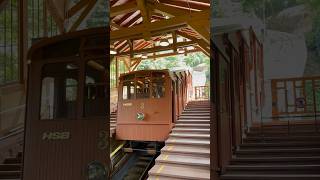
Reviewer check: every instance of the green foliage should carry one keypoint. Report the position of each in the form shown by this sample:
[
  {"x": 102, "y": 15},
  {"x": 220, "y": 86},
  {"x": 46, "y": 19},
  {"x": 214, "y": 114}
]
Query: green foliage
[{"x": 192, "y": 60}]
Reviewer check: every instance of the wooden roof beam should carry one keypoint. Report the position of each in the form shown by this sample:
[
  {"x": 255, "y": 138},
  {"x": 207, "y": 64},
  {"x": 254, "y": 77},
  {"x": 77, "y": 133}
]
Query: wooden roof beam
[
  {"x": 167, "y": 10},
  {"x": 187, "y": 5},
  {"x": 172, "y": 54},
  {"x": 146, "y": 18},
  {"x": 160, "y": 48},
  {"x": 88, "y": 7},
  {"x": 205, "y": 47},
  {"x": 202, "y": 27},
  {"x": 160, "y": 27},
  {"x": 123, "y": 9}
]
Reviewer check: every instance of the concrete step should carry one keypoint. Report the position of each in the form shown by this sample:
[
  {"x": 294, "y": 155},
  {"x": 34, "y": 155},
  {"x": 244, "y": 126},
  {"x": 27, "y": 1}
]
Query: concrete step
[
  {"x": 270, "y": 177},
  {"x": 192, "y": 121},
  {"x": 179, "y": 172},
  {"x": 193, "y": 125},
  {"x": 276, "y": 160},
  {"x": 12, "y": 161},
  {"x": 274, "y": 169},
  {"x": 193, "y": 117},
  {"x": 179, "y": 159},
  {"x": 282, "y": 139},
  {"x": 194, "y": 114},
  {"x": 187, "y": 150},
  {"x": 191, "y": 130},
  {"x": 278, "y": 152},
  {"x": 187, "y": 141},
  {"x": 10, "y": 167},
  {"x": 191, "y": 136},
  {"x": 10, "y": 174},
  {"x": 282, "y": 145}
]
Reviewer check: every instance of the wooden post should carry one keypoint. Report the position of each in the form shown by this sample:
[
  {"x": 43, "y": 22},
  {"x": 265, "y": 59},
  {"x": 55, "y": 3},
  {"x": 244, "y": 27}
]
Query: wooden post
[
  {"x": 117, "y": 71},
  {"x": 274, "y": 99},
  {"x": 22, "y": 40}
]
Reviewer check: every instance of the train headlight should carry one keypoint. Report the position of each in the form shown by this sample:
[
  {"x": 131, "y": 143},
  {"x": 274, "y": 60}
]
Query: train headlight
[
  {"x": 96, "y": 171},
  {"x": 140, "y": 116}
]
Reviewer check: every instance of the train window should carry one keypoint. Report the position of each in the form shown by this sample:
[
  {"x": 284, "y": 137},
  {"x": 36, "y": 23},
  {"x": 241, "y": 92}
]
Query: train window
[
  {"x": 71, "y": 89},
  {"x": 158, "y": 75},
  {"x": 129, "y": 77},
  {"x": 128, "y": 90},
  {"x": 158, "y": 88},
  {"x": 59, "y": 91},
  {"x": 95, "y": 89},
  {"x": 143, "y": 87}
]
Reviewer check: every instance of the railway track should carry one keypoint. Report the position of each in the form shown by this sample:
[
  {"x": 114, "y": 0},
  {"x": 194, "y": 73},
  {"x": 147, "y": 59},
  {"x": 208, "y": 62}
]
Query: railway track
[
  {"x": 186, "y": 154},
  {"x": 136, "y": 161}
]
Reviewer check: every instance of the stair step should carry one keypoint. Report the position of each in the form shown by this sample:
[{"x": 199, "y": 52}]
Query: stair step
[
  {"x": 274, "y": 169},
  {"x": 278, "y": 160},
  {"x": 192, "y": 121},
  {"x": 283, "y": 145},
  {"x": 187, "y": 141},
  {"x": 270, "y": 177},
  {"x": 163, "y": 178},
  {"x": 193, "y": 117},
  {"x": 282, "y": 133},
  {"x": 188, "y": 135},
  {"x": 279, "y": 152},
  {"x": 283, "y": 138},
  {"x": 184, "y": 113},
  {"x": 183, "y": 160},
  {"x": 192, "y": 130},
  {"x": 12, "y": 161},
  {"x": 193, "y": 125},
  {"x": 10, "y": 174},
  {"x": 179, "y": 172},
  {"x": 184, "y": 149},
  {"x": 10, "y": 167}
]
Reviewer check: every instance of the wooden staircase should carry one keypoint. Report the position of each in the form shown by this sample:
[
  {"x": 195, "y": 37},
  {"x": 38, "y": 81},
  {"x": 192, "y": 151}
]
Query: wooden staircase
[
  {"x": 277, "y": 153},
  {"x": 186, "y": 154},
  {"x": 11, "y": 168}
]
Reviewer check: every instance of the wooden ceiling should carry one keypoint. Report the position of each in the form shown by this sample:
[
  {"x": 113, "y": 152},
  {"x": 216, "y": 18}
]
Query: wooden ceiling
[{"x": 137, "y": 26}]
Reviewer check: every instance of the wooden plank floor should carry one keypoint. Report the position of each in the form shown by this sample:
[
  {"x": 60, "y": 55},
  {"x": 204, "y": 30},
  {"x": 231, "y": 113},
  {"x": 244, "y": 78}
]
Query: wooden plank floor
[{"x": 186, "y": 154}]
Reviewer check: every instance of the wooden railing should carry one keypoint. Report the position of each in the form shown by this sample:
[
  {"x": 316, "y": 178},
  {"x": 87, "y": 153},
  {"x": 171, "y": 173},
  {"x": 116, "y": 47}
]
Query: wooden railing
[{"x": 201, "y": 92}]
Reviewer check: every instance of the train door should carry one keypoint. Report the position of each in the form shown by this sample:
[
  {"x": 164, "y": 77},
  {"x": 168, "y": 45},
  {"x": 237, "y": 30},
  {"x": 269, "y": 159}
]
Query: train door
[{"x": 67, "y": 132}]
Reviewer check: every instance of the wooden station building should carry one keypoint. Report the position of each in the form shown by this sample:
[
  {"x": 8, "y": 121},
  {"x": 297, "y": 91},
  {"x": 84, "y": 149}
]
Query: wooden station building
[{"x": 60, "y": 85}]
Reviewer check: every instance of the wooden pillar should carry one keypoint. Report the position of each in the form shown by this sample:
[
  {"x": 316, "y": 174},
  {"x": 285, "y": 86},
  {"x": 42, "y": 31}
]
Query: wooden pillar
[
  {"x": 117, "y": 71},
  {"x": 274, "y": 99},
  {"x": 22, "y": 39}
]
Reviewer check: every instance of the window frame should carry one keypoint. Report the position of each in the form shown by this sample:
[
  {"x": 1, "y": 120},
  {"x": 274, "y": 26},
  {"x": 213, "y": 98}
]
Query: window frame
[
  {"x": 134, "y": 79},
  {"x": 83, "y": 90},
  {"x": 79, "y": 85}
]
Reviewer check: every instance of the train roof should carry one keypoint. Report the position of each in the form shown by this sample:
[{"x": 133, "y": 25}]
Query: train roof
[
  {"x": 174, "y": 74},
  {"x": 75, "y": 39}
]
